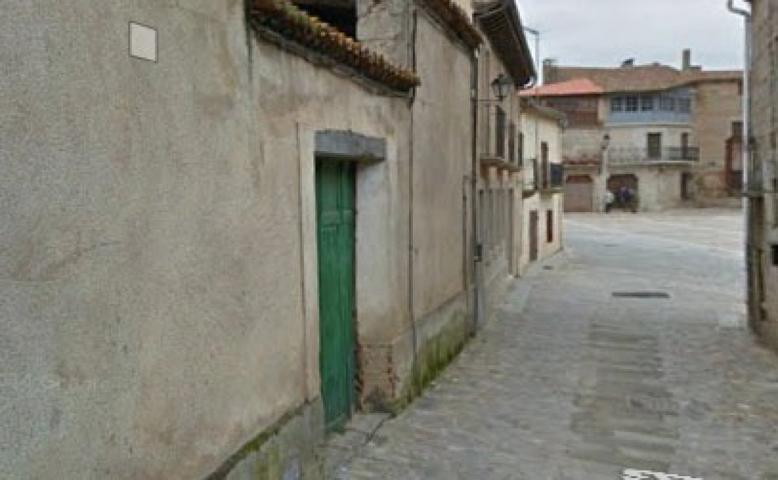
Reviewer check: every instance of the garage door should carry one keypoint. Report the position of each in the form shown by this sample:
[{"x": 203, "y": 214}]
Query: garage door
[{"x": 579, "y": 194}]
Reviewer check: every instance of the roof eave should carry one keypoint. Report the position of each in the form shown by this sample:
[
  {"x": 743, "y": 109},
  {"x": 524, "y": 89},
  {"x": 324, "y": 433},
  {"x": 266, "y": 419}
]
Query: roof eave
[{"x": 501, "y": 23}]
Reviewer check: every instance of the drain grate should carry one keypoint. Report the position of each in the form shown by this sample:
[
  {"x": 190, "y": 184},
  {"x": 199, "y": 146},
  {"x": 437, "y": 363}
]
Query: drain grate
[
  {"x": 643, "y": 294},
  {"x": 646, "y": 475}
]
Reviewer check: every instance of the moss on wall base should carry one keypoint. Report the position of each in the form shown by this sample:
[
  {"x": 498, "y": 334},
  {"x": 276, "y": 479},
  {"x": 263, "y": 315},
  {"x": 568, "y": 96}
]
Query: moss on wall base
[
  {"x": 284, "y": 451},
  {"x": 435, "y": 353}
]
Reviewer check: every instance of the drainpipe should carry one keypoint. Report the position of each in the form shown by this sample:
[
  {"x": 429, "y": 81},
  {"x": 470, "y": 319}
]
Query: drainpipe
[
  {"x": 415, "y": 373},
  {"x": 746, "y": 143},
  {"x": 746, "y": 146},
  {"x": 475, "y": 240}
]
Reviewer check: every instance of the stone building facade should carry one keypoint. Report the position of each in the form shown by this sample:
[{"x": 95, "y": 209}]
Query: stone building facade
[
  {"x": 667, "y": 133},
  {"x": 227, "y": 226},
  {"x": 762, "y": 255}
]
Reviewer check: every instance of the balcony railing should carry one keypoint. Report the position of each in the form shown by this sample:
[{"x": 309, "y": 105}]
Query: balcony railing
[{"x": 617, "y": 155}]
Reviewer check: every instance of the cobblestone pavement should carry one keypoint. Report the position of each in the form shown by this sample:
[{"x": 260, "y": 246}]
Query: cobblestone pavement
[{"x": 570, "y": 382}]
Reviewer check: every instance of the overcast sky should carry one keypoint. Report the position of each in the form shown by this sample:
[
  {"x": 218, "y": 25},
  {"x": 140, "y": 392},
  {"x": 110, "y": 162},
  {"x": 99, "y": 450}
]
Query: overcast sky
[{"x": 605, "y": 32}]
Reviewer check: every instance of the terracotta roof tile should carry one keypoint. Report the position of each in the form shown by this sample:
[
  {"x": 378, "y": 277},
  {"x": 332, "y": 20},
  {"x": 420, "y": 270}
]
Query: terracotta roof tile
[
  {"x": 578, "y": 86},
  {"x": 640, "y": 78},
  {"x": 292, "y": 23},
  {"x": 456, "y": 19}
]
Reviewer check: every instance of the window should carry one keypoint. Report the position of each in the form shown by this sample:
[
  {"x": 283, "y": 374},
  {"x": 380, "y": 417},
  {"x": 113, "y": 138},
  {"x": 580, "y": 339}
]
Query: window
[
  {"x": 344, "y": 18},
  {"x": 737, "y": 129},
  {"x": 479, "y": 253},
  {"x": 501, "y": 124},
  {"x": 685, "y": 105},
  {"x": 631, "y": 104},
  {"x": 512, "y": 143},
  {"x": 646, "y": 103},
  {"x": 775, "y": 202},
  {"x": 617, "y": 104},
  {"x": 549, "y": 226},
  {"x": 521, "y": 149},
  {"x": 667, "y": 104},
  {"x": 654, "y": 141},
  {"x": 544, "y": 163},
  {"x": 774, "y": 251},
  {"x": 684, "y": 146}
]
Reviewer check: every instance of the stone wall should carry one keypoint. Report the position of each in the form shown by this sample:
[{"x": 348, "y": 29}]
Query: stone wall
[
  {"x": 717, "y": 106},
  {"x": 659, "y": 187}
]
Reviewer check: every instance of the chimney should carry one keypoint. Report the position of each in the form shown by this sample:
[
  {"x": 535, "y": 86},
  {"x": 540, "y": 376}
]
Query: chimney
[
  {"x": 549, "y": 70},
  {"x": 687, "y": 60}
]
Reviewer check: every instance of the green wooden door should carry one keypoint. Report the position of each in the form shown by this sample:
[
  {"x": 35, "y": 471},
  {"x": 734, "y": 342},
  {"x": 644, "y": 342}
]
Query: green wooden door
[{"x": 335, "y": 236}]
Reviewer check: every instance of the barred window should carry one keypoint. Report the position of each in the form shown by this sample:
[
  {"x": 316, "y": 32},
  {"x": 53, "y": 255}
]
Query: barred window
[
  {"x": 631, "y": 103},
  {"x": 666, "y": 103},
  {"x": 617, "y": 104},
  {"x": 646, "y": 103},
  {"x": 685, "y": 105}
]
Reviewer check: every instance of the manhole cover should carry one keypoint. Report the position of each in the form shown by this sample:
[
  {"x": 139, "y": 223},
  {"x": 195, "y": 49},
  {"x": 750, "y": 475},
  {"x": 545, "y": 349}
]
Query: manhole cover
[
  {"x": 641, "y": 294},
  {"x": 646, "y": 475},
  {"x": 661, "y": 405}
]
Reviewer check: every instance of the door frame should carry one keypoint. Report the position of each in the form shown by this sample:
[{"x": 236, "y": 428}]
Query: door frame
[
  {"x": 534, "y": 232},
  {"x": 312, "y": 142}
]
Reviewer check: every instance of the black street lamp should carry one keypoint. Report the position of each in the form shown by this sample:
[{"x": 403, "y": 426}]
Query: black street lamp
[{"x": 502, "y": 86}]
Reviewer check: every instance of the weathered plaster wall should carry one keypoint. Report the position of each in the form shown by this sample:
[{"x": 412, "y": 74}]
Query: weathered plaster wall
[
  {"x": 717, "y": 106},
  {"x": 442, "y": 105},
  {"x": 156, "y": 309},
  {"x": 440, "y": 165},
  {"x": 765, "y": 132},
  {"x": 582, "y": 144}
]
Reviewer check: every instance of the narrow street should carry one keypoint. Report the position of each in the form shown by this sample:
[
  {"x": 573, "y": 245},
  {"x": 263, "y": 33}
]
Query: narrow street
[{"x": 588, "y": 369}]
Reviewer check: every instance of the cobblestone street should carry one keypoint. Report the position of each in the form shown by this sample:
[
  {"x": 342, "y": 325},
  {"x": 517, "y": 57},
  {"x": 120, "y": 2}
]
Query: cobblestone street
[{"x": 628, "y": 351}]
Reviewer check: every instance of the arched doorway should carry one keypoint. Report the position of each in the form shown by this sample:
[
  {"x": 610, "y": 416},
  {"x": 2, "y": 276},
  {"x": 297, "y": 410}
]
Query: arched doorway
[{"x": 618, "y": 183}]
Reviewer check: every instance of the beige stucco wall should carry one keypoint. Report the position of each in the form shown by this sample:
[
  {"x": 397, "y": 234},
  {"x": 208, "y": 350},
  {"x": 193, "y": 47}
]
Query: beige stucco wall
[
  {"x": 542, "y": 203},
  {"x": 539, "y": 128},
  {"x": 157, "y": 308}
]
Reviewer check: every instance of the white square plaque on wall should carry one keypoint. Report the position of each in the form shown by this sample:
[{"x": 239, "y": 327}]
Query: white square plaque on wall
[{"x": 143, "y": 42}]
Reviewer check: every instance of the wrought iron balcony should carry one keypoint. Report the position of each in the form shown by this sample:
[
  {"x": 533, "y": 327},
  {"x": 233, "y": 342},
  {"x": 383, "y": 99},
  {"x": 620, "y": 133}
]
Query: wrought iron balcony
[{"x": 638, "y": 155}]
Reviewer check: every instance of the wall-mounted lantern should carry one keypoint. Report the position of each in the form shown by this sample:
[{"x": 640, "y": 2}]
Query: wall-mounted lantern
[
  {"x": 606, "y": 142},
  {"x": 502, "y": 86}
]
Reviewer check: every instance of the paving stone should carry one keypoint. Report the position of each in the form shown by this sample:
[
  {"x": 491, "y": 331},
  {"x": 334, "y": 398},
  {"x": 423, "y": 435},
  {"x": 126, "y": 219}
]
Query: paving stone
[{"x": 569, "y": 383}]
